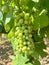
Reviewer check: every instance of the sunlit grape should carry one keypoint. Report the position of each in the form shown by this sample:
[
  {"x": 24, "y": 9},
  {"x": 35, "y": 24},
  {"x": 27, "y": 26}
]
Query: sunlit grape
[
  {"x": 20, "y": 34},
  {"x": 28, "y": 48},
  {"x": 28, "y": 43},
  {"x": 23, "y": 34},
  {"x": 30, "y": 35},
  {"x": 24, "y": 48},
  {"x": 26, "y": 16},
  {"x": 24, "y": 43},
  {"x": 21, "y": 45},
  {"x": 19, "y": 50}
]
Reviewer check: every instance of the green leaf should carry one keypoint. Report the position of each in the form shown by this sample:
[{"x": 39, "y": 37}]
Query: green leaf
[
  {"x": 37, "y": 38},
  {"x": 1, "y": 27},
  {"x": 7, "y": 27},
  {"x": 1, "y": 16},
  {"x": 40, "y": 22},
  {"x": 0, "y": 1},
  {"x": 8, "y": 18},
  {"x": 28, "y": 64},
  {"x": 11, "y": 33},
  {"x": 39, "y": 46},
  {"x": 13, "y": 42},
  {"x": 39, "y": 42},
  {"x": 44, "y": 4},
  {"x": 39, "y": 49},
  {"x": 21, "y": 60},
  {"x": 42, "y": 53},
  {"x": 36, "y": 62},
  {"x": 8, "y": 21},
  {"x": 45, "y": 31},
  {"x": 35, "y": 54}
]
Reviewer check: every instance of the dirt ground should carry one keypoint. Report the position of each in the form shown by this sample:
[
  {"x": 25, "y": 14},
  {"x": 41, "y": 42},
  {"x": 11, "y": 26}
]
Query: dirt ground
[
  {"x": 45, "y": 60},
  {"x": 5, "y": 52}
]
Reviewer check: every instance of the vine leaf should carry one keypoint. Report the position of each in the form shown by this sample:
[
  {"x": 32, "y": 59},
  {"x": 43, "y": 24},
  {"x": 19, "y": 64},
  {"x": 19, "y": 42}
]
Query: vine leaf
[
  {"x": 13, "y": 42},
  {"x": 41, "y": 22},
  {"x": 36, "y": 62},
  {"x": 8, "y": 21},
  {"x": 8, "y": 18},
  {"x": 21, "y": 60},
  {"x": 1, "y": 16},
  {"x": 45, "y": 31},
  {"x": 39, "y": 49},
  {"x": 11, "y": 33}
]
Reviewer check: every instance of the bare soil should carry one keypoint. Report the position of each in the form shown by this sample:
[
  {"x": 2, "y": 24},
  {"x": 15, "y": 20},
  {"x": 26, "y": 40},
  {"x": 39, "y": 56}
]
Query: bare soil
[{"x": 5, "y": 51}]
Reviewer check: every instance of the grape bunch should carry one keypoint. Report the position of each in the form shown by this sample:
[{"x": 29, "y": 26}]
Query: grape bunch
[{"x": 24, "y": 41}]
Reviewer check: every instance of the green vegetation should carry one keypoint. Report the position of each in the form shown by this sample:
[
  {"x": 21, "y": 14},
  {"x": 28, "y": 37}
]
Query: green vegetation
[{"x": 26, "y": 23}]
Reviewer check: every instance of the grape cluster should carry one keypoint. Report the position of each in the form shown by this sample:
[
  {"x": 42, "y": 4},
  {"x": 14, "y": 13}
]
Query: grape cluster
[{"x": 24, "y": 41}]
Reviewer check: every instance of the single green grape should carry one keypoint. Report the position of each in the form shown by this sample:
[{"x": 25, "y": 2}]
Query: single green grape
[
  {"x": 20, "y": 34},
  {"x": 28, "y": 48},
  {"x": 26, "y": 16},
  {"x": 24, "y": 43},
  {"x": 19, "y": 50},
  {"x": 28, "y": 43},
  {"x": 24, "y": 48},
  {"x": 20, "y": 45}
]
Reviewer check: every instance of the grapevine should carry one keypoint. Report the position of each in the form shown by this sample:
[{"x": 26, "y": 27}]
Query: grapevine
[{"x": 25, "y": 23}]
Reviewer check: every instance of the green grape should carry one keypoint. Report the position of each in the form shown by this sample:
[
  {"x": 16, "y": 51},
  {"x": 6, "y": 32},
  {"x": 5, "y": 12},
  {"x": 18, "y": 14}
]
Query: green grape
[
  {"x": 21, "y": 45},
  {"x": 19, "y": 50},
  {"x": 25, "y": 31},
  {"x": 28, "y": 48},
  {"x": 24, "y": 43},
  {"x": 24, "y": 48},
  {"x": 28, "y": 43},
  {"x": 30, "y": 52},
  {"x": 20, "y": 41},
  {"x": 22, "y": 14},
  {"x": 16, "y": 33},
  {"x": 26, "y": 52},
  {"x": 26, "y": 37},
  {"x": 23, "y": 27},
  {"x": 26, "y": 16},
  {"x": 20, "y": 21},
  {"x": 26, "y": 22},
  {"x": 17, "y": 43},
  {"x": 23, "y": 34},
  {"x": 20, "y": 34},
  {"x": 17, "y": 28},
  {"x": 30, "y": 36}
]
